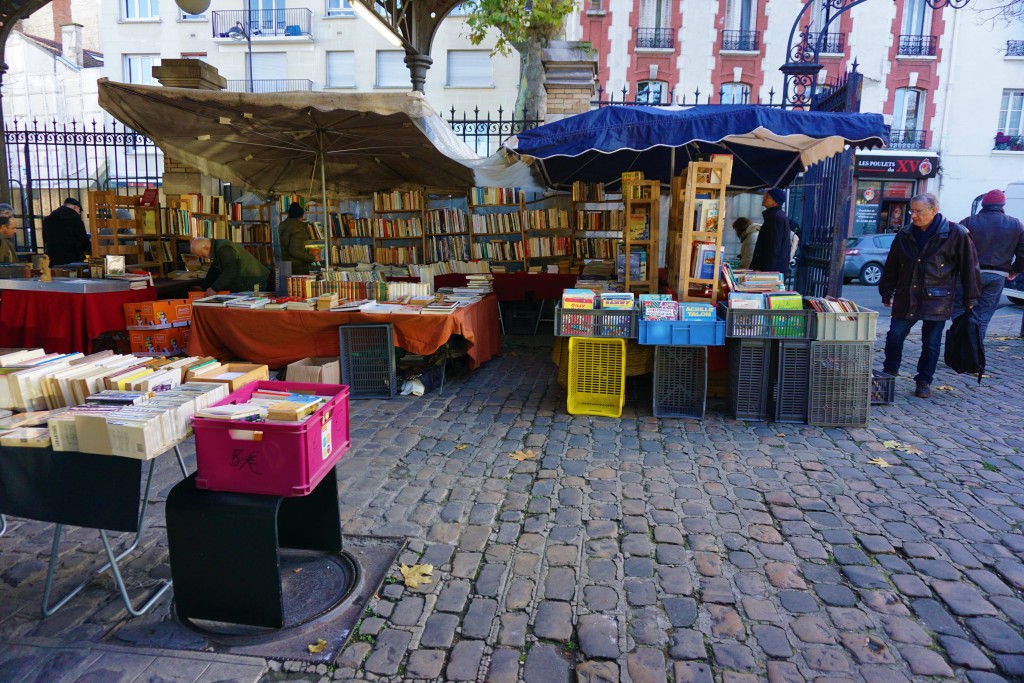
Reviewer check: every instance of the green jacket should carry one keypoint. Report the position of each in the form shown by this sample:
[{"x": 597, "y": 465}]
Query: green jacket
[
  {"x": 234, "y": 269},
  {"x": 293, "y": 233},
  {"x": 7, "y": 252}
]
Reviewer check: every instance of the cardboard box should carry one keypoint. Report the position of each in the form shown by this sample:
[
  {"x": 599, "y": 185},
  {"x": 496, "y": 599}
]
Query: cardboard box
[
  {"x": 142, "y": 341},
  {"x": 172, "y": 340},
  {"x": 323, "y": 370},
  {"x": 148, "y": 314},
  {"x": 235, "y": 375},
  {"x": 181, "y": 311}
]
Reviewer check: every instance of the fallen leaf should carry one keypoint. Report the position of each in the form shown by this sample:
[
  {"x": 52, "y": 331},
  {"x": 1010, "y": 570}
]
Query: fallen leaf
[
  {"x": 1002, "y": 338},
  {"x": 416, "y": 574},
  {"x": 524, "y": 455},
  {"x": 892, "y": 445},
  {"x": 906, "y": 448},
  {"x": 296, "y": 570},
  {"x": 317, "y": 647},
  {"x": 944, "y": 387},
  {"x": 462, "y": 447},
  {"x": 881, "y": 462}
]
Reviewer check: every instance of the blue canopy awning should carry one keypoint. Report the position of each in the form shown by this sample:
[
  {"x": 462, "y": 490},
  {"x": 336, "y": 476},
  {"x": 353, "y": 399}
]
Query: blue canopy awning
[{"x": 770, "y": 145}]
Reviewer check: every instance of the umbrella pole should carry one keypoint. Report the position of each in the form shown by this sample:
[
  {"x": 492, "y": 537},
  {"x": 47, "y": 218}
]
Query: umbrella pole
[{"x": 323, "y": 193}]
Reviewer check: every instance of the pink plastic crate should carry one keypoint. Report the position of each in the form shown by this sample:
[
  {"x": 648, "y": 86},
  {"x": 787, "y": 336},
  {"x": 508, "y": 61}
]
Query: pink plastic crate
[{"x": 273, "y": 458}]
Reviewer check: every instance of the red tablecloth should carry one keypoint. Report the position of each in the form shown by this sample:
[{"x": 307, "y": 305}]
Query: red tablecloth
[
  {"x": 60, "y": 322},
  {"x": 277, "y": 338},
  {"x": 514, "y": 286}
]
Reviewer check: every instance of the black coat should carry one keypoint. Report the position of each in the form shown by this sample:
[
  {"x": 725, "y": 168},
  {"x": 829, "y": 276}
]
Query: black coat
[
  {"x": 998, "y": 239},
  {"x": 921, "y": 283},
  {"x": 773, "y": 242},
  {"x": 64, "y": 237}
]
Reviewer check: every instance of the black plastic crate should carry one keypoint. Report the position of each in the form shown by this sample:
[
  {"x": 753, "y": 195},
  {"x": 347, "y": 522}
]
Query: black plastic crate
[
  {"x": 791, "y": 374},
  {"x": 883, "y": 388},
  {"x": 520, "y": 319},
  {"x": 749, "y": 366},
  {"x": 680, "y": 381},
  {"x": 368, "y": 360},
  {"x": 840, "y": 390}
]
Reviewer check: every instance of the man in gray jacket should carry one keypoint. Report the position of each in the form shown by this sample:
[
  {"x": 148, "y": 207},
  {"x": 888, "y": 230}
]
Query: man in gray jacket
[{"x": 999, "y": 241}]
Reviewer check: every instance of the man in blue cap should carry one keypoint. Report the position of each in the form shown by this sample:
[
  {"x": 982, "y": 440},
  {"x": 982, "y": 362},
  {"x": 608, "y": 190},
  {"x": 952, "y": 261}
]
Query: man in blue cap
[{"x": 774, "y": 244}]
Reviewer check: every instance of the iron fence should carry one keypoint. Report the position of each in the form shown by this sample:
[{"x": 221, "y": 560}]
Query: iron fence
[
  {"x": 831, "y": 44},
  {"x": 742, "y": 41},
  {"x": 908, "y": 138},
  {"x": 1015, "y": 48},
  {"x": 49, "y": 162},
  {"x": 696, "y": 98},
  {"x": 654, "y": 38},
  {"x": 485, "y": 135},
  {"x": 917, "y": 46},
  {"x": 264, "y": 23},
  {"x": 265, "y": 85}
]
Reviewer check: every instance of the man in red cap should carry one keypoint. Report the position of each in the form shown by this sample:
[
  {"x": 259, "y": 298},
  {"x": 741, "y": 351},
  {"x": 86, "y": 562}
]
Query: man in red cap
[{"x": 999, "y": 241}]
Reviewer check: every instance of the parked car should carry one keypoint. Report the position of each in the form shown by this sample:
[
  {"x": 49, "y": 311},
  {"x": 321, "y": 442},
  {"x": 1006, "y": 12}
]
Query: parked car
[{"x": 865, "y": 256}]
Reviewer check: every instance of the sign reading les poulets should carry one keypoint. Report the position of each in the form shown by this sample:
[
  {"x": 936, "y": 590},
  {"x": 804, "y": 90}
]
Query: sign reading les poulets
[{"x": 896, "y": 167}]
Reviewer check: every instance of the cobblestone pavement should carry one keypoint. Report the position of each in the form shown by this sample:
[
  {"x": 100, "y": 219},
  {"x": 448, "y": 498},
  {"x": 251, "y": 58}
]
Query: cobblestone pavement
[{"x": 631, "y": 549}]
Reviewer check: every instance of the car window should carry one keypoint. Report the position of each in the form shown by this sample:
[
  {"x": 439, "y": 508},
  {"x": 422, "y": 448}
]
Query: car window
[{"x": 884, "y": 241}]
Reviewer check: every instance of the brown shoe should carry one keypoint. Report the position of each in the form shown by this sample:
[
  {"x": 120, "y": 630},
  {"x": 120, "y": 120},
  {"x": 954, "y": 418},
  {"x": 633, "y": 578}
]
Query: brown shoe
[{"x": 923, "y": 390}]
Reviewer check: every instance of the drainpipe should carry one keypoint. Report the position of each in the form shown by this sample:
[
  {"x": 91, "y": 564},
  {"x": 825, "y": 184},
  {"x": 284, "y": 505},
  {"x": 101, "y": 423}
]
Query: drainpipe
[{"x": 954, "y": 42}]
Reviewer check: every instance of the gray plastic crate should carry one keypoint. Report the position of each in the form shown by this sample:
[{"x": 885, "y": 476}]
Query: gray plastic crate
[
  {"x": 749, "y": 365},
  {"x": 791, "y": 373},
  {"x": 883, "y": 388},
  {"x": 608, "y": 323},
  {"x": 757, "y": 323},
  {"x": 368, "y": 360},
  {"x": 848, "y": 326},
  {"x": 680, "y": 381},
  {"x": 840, "y": 389}
]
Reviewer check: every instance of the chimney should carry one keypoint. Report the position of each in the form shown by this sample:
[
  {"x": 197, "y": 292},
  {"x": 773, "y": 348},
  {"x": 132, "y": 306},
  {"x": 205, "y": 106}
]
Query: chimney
[{"x": 71, "y": 43}]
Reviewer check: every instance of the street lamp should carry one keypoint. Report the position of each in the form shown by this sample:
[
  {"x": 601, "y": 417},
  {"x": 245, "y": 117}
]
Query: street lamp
[{"x": 242, "y": 32}]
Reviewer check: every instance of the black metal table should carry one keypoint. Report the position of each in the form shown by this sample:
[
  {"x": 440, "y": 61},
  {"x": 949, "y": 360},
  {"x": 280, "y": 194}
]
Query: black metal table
[{"x": 224, "y": 548}]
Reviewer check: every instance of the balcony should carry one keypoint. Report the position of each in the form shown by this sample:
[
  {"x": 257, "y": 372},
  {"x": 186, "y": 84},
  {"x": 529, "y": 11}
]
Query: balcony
[
  {"x": 654, "y": 38},
  {"x": 741, "y": 41},
  {"x": 917, "y": 46},
  {"x": 1009, "y": 143},
  {"x": 265, "y": 85},
  {"x": 833, "y": 44},
  {"x": 1015, "y": 48},
  {"x": 265, "y": 23},
  {"x": 908, "y": 138}
]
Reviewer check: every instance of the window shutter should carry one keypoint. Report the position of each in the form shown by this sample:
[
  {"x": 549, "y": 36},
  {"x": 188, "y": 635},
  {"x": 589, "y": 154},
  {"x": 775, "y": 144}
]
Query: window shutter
[
  {"x": 341, "y": 69},
  {"x": 391, "y": 70},
  {"x": 268, "y": 66},
  {"x": 470, "y": 69}
]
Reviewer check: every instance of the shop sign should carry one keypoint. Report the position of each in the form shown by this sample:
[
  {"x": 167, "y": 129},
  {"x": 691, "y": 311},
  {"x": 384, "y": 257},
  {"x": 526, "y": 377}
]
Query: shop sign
[{"x": 907, "y": 167}]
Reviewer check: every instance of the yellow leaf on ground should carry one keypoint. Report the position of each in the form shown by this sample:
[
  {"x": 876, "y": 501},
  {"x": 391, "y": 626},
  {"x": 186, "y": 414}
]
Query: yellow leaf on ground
[
  {"x": 944, "y": 387},
  {"x": 317, "y": 647},
  {"x": 416, "y": 574},
  {"x": 881, "y": 462},
  {"x": 905, "y": 447},
  {"x": 892, "y": 445},
  {"x": 524, "y": 455},
  {"x": 462, "y": 447}
]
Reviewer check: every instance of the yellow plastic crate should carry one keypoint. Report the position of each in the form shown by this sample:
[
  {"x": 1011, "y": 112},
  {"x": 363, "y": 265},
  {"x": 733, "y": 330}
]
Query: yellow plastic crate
[{"x": 597, "y": 376}]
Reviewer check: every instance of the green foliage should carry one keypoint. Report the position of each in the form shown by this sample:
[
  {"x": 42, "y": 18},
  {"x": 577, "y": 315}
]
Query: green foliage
[{"x": 518, "y": 23}]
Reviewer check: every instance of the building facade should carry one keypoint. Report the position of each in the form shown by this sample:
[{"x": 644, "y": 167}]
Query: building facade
[{"x": 953, "y": 133}]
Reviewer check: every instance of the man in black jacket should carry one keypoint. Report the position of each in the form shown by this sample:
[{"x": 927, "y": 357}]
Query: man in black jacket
[
  {"x": 999, "y": 241},
  {"x": 774, "y": 244},
  {"x": 64, "y": 236},
  {"x": 926, "y": 261}
]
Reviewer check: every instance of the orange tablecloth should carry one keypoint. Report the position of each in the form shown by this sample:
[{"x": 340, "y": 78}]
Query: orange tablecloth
[{"x": 277, "y": 338}]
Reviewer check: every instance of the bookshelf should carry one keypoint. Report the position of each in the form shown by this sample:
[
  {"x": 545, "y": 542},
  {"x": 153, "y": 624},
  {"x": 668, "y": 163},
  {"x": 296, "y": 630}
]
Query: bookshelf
[
  {"x": 348, "y": 224},
  {"x": 398, "y": 227},
  {"x": 598, "y": 220},
  {"x": 495, "y": 220},
  {"x": 547, "y": 233},
  {"x": 192, "y": 215},
  {"x": 695, "y": 231},
  {"x": 447, "y": 229},
  {"x": 252, "y": 227},
  {"x": 121, "y": 225},
  {"x": 637, "y": 264}
]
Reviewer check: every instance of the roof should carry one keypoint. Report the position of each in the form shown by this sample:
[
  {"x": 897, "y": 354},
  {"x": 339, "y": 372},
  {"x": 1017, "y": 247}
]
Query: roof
[{"x": 90, "y": 58}]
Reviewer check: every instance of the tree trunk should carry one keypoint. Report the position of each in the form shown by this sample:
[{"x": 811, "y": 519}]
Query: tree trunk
[{"x": 531, "y": 102}]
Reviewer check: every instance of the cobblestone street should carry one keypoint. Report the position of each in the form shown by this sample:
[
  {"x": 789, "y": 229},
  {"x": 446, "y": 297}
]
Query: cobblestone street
[{"x": 635, "y": 549}]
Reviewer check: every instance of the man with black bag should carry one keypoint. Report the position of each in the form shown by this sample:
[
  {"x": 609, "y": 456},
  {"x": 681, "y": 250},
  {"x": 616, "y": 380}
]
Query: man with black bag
[{"x": 925, "y": 262}]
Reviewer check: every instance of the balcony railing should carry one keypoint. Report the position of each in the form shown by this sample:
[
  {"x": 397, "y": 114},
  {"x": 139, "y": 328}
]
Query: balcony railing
[
  {"x": 908, "y": 138},
  {"x": 265, "y": 23},
  {"x": 833, "y": 44},
  {"x": 1015, "y": 48},
  {"x": 654, "y": 38},
  {"x": 917, "y": 46},
  {"x": 1009, "y": 143},
  {"x": 265, "y": 85},
  {"x": 744, "y": 41}
]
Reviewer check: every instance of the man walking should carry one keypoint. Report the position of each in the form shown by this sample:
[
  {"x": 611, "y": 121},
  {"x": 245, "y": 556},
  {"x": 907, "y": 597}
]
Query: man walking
[
  {"x": 925, "y": 262},
  {"x": 999, "y": 241}
]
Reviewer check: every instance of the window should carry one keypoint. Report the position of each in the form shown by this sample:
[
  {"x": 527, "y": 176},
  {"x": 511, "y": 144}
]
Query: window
[
  {"x": 651, "y": 92},
  {"x": 907, "y": 111},
  {"x": 391, "y": 70},
  {"x": 470, "y": 69},
  {"x": 185, "y": 16},
  {"x": 268, "y": 66},
  {"x": 917, "y": 18},
  {"x": 339, "y": 8},
  {"x": 735, "y": 93},
  {"x": 266, "y": 16},
  {"x": 138, "y": 69},
  {"x": 341, "y": 69},
  {"x": 194, "y": 55},
  {"x": 654, "y": 14},
  {"x": 1010, "y": 113},
  {"x": 141, "y": 9},
  {"x": 739, "y": 15}
]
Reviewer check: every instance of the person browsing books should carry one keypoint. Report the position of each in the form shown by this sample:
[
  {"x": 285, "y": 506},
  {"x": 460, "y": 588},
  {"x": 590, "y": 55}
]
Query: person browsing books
[
  {"x": 8, "y": 254},
  {"x": 747, "y": 232},
  {"x": 774, "y": 244},
  {"x": 292, "y": 234},
  {"x": 232, "y": 268},
  {"x": 64, "y": 236}
]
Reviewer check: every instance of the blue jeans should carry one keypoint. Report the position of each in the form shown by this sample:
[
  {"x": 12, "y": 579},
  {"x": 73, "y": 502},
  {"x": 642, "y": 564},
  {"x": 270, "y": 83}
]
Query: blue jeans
[
  {"x": 931, "y": 339},
  {"x": 992, "y": 285}
]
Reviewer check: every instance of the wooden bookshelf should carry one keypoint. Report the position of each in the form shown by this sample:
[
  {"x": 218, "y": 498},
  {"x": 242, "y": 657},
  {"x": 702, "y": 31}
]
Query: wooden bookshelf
[
  {"x": 547, "y": 232},
  {"x": 121, "y": 226},
  {"x": 597, "y": 221},
  {"x": 496, "y": 226},
  {"x": 398, "y": 236},
  {"x": 638, "y": 261},
  {"x": 695, "y": 230}
]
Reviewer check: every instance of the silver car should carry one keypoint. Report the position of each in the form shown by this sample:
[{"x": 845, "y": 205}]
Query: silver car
[{"x": 865, "y": 256}]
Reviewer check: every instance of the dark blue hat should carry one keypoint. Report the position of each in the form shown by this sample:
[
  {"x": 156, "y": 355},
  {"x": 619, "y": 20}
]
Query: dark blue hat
[{"x": 777, "y": 194}]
